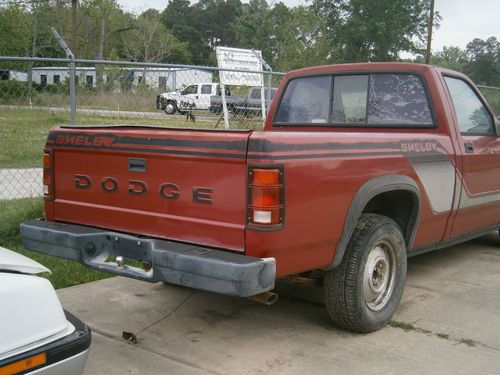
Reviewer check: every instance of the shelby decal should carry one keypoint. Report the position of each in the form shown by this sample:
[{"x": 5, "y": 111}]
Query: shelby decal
[
  {"x": 83, "y": 140},
  {"x": 167, "y": 190},
  {"x": 419, "y": 146}
]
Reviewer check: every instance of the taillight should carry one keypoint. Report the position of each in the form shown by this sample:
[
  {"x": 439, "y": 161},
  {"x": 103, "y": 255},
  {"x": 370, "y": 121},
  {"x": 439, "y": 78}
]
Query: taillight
[
  {"x": 265, "y": 196},
  {"x": 48, "y": 184}
]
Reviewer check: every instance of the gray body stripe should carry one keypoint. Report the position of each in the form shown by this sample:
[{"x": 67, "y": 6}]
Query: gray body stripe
[
  {"x": 469, "y": 200},
  {"x": 438, "y": 179}
]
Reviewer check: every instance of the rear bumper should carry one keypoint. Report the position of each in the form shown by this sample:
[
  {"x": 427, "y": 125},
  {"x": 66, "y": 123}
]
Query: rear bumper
[
  {"x": 67, "y": 355},
  {"x": 172, "y": 262}
]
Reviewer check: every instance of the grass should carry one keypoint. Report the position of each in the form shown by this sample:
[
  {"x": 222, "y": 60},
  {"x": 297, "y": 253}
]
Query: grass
[
  {"x": 64, "y": 272},
  {"x": 408, "y": 327},
  {"x": 22, "y": 136}
]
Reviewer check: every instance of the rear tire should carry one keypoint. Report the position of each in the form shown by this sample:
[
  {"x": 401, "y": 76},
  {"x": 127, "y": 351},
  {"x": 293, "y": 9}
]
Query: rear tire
[{"x": 364, "y": 291}]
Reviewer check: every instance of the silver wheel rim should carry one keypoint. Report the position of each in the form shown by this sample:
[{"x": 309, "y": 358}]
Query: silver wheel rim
[
  {"x": 379, "y": 276},
  {"x": 169, "y": 108}
]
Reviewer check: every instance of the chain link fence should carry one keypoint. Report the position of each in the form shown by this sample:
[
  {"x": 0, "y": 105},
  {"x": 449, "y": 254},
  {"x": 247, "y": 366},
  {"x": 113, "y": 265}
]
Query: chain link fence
[{"x": 35, "y": 94}]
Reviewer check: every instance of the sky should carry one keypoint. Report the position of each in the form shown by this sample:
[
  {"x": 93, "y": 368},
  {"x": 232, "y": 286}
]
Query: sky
[{"x": 462, "y": 20}]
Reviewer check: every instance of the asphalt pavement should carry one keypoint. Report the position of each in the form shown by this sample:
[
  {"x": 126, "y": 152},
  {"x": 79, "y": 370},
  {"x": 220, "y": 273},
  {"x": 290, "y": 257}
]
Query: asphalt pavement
[{"x": 448, "y": 323}]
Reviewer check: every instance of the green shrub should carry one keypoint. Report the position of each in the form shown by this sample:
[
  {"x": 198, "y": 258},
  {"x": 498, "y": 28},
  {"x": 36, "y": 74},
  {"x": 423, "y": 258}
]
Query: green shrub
[{"x": 13, "y": 90}]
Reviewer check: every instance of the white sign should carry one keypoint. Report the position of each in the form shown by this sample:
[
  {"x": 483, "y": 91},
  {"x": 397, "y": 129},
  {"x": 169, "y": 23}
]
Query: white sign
[{"x": 239, "y": 59}]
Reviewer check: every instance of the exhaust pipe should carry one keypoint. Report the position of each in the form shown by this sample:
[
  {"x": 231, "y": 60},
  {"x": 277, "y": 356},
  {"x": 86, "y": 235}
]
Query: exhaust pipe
[{"x": 266, "y": 298}]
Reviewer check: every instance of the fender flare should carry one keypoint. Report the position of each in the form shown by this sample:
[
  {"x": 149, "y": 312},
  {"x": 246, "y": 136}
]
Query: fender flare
[{"x": 367, "y": 192}]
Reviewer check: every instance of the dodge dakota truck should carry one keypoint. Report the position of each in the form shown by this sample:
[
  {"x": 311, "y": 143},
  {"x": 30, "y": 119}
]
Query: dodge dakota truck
[{"x": 359, "y": 166}]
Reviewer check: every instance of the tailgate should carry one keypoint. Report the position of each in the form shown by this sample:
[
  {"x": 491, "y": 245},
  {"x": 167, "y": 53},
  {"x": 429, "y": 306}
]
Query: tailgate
[{"x": 185, "y": 185}]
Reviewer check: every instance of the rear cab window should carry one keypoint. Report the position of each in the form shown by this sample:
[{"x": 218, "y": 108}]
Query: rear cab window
[{"x": 372, "y": 100}]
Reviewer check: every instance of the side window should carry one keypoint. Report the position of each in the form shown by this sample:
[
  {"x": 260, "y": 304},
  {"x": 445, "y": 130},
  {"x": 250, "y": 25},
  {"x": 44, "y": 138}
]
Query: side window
[
  {"x": 306, "y": 101},
  {"x": 193, "y": 89},
  {"x": 471, "y": 114},
  {"x": 349, "y": 99},
  {"x": 206, "y": 89},
  {"x": 398, "y": 99}
]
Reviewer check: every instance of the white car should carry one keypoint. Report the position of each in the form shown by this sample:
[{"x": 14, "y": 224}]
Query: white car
[
  {"x": 196, "y": 96},
  {"x": 36, "y": 335}
]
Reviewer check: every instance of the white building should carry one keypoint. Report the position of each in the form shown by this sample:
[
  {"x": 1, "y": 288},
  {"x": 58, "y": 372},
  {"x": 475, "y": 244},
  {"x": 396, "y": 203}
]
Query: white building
[
  {"x": 15, "y": 75},
  {"x": 163, "y": 79}
]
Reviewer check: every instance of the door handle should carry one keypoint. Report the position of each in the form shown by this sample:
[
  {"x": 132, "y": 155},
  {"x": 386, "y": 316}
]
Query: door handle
[{"x": 469, "y": 148}]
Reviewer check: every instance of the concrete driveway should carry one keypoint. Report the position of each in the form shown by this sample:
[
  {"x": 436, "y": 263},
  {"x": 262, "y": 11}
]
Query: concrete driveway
[{"x": 448, "y": 323}]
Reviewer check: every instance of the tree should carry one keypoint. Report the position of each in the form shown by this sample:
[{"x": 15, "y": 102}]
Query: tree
[
  {"x": 180, "y": 19},
  {"x": 15, "y": 41},
  {"x": 297, "y": 38},
  {"x": 450, "y": 57},
  {"x": 484, "y": 61},
  {"x": 367, "y": 30},
  {"x": 254, "y": 27},
  {"x": 149, "y": 40},
  {"x": 216, "y": 21},
  {"x": 99, "y": 28}
]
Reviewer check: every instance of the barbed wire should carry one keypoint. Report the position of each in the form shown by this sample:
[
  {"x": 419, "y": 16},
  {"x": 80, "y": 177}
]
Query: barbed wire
[{"x": 31, "y": 2}]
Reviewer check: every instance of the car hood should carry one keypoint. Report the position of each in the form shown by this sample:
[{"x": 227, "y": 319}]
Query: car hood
[
  {"x": 11, "y": 261},
  {"x": 31, "y": 314},
  {"x": 170, "y": 93}
]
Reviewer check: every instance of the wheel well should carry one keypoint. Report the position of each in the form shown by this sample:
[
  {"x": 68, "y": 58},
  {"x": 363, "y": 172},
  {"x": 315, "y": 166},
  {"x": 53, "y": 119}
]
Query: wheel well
[
  {"x": 395, "y": 196},
  {"x": 400, "y": 205}
]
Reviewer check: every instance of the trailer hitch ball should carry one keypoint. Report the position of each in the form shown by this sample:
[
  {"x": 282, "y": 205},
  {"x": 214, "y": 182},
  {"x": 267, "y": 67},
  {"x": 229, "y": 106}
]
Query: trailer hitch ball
[{"x": 120, "y": 262}]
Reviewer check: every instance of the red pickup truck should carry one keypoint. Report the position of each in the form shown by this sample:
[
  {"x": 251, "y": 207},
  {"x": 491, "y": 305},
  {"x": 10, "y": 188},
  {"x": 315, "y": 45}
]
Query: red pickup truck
[{"x": 359, "y": 166}]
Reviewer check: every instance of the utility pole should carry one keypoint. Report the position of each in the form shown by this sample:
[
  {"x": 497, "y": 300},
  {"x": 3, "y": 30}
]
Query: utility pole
[
  {"x": 73, "y": 24},
  {"x": 429, "y": 34}
]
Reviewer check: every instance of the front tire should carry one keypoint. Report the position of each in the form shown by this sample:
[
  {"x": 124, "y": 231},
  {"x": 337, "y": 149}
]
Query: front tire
[
  {"x": 364, "y": 291},
  {"x": 170, "y": 108}
]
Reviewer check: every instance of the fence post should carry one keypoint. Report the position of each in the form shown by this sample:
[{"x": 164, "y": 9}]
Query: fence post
[
  {"x": 269, "y": 89},
  {"x": 224, "y": 106},
  {"x": 72, "y": 90},
  {"x": 72, "y": 75}
]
